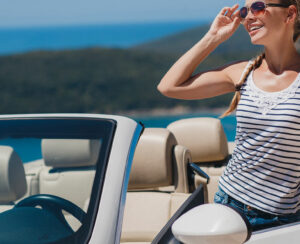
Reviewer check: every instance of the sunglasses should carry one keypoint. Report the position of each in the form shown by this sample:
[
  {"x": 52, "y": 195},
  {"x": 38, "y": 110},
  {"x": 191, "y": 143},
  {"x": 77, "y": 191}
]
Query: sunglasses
[{"x": 259, "y": 7}]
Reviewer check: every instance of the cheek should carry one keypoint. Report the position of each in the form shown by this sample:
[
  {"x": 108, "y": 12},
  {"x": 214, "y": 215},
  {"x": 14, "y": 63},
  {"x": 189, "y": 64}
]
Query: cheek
[{"x": 276, "y": 18}]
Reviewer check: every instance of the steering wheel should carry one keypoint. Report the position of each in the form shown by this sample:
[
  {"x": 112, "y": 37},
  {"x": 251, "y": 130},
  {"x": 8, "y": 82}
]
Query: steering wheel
[{"x": 54, "y": 205}]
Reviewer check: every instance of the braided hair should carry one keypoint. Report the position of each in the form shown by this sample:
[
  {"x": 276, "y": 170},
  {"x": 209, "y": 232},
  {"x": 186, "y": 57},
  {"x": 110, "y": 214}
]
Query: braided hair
[
  {"x": 237, "y": 96},
  {"x": 258, "y": 60}
]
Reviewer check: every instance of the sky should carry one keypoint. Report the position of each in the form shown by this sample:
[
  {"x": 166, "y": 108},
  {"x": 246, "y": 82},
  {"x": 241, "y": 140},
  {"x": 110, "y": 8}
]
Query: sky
[{"x": 26, "y": 13}]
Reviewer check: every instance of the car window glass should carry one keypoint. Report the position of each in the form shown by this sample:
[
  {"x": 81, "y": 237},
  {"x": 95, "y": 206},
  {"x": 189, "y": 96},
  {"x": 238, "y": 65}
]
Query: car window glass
[{"x": 46, "y": 180}]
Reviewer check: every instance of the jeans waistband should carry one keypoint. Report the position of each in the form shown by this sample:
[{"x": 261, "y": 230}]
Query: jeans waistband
[{"x": 245, "y": 207}]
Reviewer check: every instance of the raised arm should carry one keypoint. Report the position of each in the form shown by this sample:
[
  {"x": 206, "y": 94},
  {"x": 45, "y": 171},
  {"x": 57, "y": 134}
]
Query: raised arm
[{"x": 178, "y": 82}]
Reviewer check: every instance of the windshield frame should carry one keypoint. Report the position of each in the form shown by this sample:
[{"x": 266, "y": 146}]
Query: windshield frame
[{"x": 69, "y": 127}]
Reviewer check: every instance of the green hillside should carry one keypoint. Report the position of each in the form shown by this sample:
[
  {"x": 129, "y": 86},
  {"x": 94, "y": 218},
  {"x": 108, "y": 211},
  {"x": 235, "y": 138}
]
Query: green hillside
[
  {"x": 180, "y": 43},
  {"x": 101, "y": 80},
  {"x": 90, "y": 80}
]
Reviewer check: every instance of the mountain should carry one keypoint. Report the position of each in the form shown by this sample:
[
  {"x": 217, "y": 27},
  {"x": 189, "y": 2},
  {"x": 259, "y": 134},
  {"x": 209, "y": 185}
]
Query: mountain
[
  {"x": 180, "y": 43},
  {"x": 89, "y": 80},
  {"x": 102, "y": 80},
  {"x": 94, "y": 80}
]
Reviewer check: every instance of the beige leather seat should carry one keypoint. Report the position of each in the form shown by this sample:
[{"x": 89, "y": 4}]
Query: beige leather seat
[
  {"x": 206, "y": 140},
  {"x": 12, "y": 178},
  {"x": 70, "y": 170},
  {"x": 159, "y": 164},
  {"x": 32, "y": 171}
]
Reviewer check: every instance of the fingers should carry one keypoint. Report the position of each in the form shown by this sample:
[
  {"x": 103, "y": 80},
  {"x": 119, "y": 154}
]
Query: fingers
[
  {"x": 236, "y": 22},
  {"x": 236, "y": 15},
  {"x": 228, "y": 11},
  {"x": 231, "y": 10},
  {"x": 224, "y": 10}
]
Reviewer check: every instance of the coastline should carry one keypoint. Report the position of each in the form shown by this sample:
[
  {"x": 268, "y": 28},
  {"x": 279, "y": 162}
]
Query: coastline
[
  {"x": 161, "y": 118},
  {"x": 175, "y": 111}
]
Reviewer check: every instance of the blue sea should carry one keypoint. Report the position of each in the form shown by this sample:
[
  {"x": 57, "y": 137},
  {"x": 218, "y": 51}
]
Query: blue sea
[
  {"x": 30, "y": 149},
  {"x": 19, "y": 40}
]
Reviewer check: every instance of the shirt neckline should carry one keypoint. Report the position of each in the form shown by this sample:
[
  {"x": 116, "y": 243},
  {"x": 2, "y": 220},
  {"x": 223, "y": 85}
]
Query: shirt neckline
[{"x": 273, "y": 93}]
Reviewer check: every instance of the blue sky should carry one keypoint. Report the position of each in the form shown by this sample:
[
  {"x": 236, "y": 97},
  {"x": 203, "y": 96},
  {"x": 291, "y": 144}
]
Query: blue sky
[{"x": 20, "y": 13}]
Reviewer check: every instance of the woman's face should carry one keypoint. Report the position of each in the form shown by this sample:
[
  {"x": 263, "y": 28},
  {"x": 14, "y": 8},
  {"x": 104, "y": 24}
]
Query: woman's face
[{"x": 266, "y": 27}]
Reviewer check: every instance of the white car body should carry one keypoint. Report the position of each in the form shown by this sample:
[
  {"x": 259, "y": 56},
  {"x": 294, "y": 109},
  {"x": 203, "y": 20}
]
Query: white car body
[{"x": 107, "y": 225}]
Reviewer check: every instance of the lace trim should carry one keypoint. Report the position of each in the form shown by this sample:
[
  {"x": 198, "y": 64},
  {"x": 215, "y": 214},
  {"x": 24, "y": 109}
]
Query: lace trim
[{"x": 265, "y": 101}]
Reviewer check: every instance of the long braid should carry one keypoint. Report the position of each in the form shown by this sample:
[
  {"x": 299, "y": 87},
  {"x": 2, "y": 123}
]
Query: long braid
[
  {"x": 258, "y": 60},
  {"x": 237, "y": 96}
]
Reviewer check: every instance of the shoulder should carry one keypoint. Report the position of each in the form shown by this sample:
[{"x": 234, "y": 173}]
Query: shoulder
[{"x": 235, "y": 70}]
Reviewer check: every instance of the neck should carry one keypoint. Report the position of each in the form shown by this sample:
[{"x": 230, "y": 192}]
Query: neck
[{"x": 282, "y": 57}]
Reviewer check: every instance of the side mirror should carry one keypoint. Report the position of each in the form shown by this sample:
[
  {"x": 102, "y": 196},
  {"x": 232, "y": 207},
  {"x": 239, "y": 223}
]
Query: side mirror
[{"x": 212, "y": 223}]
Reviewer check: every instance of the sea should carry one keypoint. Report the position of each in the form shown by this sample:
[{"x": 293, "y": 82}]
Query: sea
[
  {"x": 29, "y": 149},
  {"x": 125, "y": 35}
]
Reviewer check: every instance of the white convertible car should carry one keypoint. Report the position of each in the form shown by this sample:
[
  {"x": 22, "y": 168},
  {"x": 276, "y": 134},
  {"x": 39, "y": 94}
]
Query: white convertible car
[{"x": 80, "y": 178}]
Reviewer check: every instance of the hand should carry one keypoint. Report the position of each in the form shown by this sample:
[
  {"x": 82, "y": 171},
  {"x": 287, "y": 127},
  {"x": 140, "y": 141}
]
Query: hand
[{"x": 226, "y": 23}]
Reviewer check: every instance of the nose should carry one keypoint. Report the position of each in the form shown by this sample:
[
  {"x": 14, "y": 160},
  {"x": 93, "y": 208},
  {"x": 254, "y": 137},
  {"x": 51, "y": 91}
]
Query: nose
[{"x": 249, "y": 17}]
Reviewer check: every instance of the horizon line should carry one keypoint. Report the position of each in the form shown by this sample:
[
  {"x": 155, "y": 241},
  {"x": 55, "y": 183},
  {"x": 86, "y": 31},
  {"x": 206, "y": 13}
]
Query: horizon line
[{"x": 65, "y": 25}]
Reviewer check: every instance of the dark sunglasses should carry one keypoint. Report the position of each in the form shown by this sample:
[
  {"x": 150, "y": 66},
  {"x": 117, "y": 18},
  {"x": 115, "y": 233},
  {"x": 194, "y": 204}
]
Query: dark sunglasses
[{"x": 258, "y": 7}]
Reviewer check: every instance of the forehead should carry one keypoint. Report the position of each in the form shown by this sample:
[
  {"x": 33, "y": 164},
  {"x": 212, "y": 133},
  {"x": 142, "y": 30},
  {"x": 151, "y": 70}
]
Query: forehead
[{"x": 249, "y": 2}]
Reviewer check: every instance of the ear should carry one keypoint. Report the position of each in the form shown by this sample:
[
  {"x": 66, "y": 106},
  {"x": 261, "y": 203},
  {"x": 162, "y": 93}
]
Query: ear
[{"x": 291, "y": 14}]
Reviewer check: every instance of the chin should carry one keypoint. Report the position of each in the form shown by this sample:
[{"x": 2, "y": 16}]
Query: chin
[
  {"x": 258, "y": 39},
  {"x": 255, "y": 41}
]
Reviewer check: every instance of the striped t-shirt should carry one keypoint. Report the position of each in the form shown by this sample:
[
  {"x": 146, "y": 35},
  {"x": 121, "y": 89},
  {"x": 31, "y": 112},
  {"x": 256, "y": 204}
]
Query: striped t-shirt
[{"x": 264, "y": 171}]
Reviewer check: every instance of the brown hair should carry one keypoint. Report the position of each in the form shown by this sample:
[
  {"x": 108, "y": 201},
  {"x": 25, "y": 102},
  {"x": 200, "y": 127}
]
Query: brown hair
[
  {"x": 237, "y": 96},
  {"x": 258, "y": 60}
]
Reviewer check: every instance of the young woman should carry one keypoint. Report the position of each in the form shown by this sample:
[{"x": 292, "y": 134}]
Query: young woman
[{"x": 263, "y": 177}]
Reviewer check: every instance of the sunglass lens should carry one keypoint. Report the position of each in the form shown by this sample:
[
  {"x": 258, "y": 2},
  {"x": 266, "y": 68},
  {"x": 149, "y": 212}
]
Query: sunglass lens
[
  {"x": 258, "y": 7},
  {"x": 243, "y": 12}
]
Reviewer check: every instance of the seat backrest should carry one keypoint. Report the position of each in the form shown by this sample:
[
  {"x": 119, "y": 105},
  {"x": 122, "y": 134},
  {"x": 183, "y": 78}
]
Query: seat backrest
[
  {"x": 32, "y": 171},
  {"x": 70, "y": 171},
  {"x": 206, "y": 139},
  {"x": 12, "y": 178},
  {"x": 158, "y": 162},
  {"x": 70, "y": 168}
]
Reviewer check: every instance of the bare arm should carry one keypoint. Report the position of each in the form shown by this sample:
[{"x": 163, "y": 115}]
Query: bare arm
[{"x": 178, "y": 82}]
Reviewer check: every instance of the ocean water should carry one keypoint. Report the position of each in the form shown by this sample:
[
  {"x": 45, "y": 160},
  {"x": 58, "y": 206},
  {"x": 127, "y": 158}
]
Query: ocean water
[
  {"x": 29, "y": 149},
  {"x": 18, "y": 40}
]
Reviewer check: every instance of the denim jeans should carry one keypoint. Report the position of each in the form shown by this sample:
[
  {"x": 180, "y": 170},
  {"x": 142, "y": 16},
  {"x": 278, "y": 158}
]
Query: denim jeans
[{"x": 257, "y": 218}]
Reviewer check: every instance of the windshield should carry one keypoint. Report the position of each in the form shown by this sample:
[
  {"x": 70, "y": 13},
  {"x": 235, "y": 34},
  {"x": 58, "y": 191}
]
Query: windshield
[{"x": 48, "y": 171}]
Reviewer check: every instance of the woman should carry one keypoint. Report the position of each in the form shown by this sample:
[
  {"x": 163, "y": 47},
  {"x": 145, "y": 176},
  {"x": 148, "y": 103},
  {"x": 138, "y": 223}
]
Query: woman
[{"x": 263, "y": 177}]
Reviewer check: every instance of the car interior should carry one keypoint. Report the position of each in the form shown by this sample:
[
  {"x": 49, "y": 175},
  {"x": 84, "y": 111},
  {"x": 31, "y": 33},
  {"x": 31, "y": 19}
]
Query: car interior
[
  {"x": 48, "y": 193},
  {"x": 67, "y": 171},
  {"x": 161, "y": 180}
]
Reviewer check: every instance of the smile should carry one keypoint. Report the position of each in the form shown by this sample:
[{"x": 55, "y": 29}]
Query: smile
[{"x": 253, "y": 29}]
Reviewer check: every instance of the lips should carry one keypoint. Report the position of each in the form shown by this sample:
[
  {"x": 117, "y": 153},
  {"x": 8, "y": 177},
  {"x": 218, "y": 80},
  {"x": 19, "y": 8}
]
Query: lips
[
  {"x": 255, "y": 28},
  {"x": 252, "y": 29}
]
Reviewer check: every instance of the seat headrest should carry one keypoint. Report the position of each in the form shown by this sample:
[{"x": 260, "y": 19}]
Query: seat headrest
[
  {"x": 66, "y": 153},
  {"x": 12, "y": 176},
  {"x": 152, "y": 163},
  {"x": 204, "y": 137}
]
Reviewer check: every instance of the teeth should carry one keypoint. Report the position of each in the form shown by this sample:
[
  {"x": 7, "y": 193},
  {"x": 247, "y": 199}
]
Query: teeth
[{"x": 255, "y": 28}]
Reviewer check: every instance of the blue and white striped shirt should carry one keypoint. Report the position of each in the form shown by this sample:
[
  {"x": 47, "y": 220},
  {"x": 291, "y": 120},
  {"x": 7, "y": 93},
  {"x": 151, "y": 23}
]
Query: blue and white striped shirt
[{"x": 264, "y": 171}]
